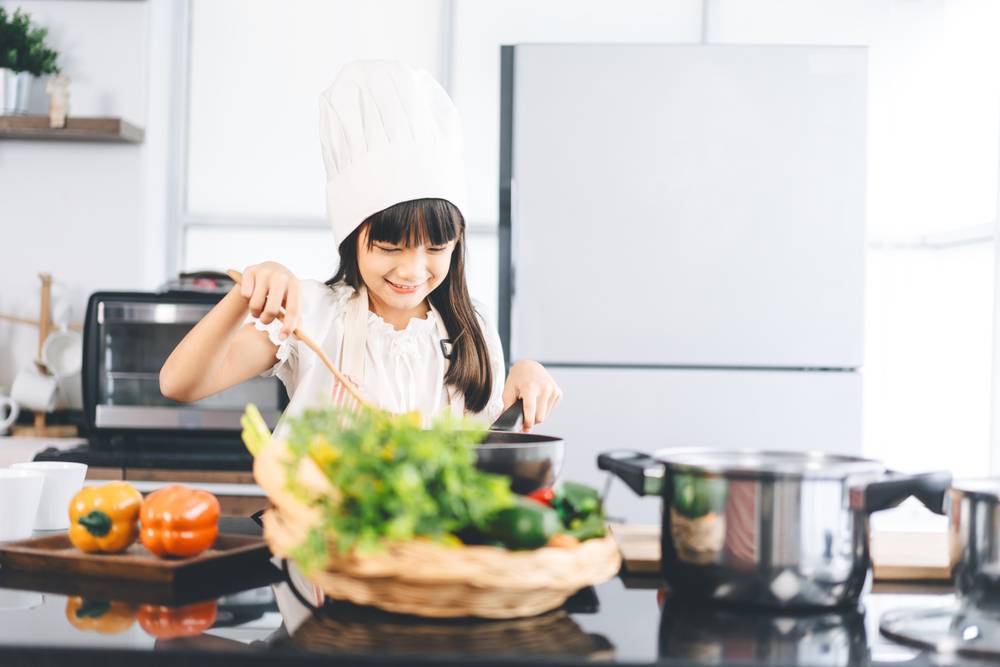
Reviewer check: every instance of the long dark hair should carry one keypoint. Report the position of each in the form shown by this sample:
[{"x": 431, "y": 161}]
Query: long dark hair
[{"x": 433, "y": 222}]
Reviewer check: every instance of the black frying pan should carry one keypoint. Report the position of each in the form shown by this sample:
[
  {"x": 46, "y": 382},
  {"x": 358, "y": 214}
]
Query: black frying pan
[{"x": 531, "y": 461}]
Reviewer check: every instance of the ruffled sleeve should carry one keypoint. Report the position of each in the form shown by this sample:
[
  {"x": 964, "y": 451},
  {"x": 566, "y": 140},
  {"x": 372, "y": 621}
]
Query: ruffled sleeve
[
  {"x": 286, "y": 353},
  {"x": 319, "y": 305}
]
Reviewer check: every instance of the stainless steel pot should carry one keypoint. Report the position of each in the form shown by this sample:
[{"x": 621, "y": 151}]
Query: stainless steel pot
[
  {"x": 974, "y": 537},
  {"x": 778, "y": 530}
]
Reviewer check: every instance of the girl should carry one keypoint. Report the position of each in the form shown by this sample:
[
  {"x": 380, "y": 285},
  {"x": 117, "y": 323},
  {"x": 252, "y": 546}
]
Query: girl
[{"x": 396, "y": 317}]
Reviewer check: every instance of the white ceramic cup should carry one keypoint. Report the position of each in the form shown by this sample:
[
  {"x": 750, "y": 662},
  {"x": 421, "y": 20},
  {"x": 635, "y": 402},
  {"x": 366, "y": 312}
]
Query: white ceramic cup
[
  {"x": 9, "y": 410},
  {"x": 63, "y": 355},
  {"x": 34, "y": 391},
  {"x": 12, "y": 599},
  {"x": 20, "y": 493},
  {"x": 62, "y": 480}
]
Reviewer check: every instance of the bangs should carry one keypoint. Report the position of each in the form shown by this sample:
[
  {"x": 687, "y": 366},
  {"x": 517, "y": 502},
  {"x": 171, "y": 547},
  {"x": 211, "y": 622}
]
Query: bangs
[{"x": 418, "y": 222}]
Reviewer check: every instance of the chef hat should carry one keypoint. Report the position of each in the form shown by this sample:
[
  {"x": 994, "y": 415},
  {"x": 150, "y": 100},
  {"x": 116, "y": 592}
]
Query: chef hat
[{"x": 389, "y": 134}]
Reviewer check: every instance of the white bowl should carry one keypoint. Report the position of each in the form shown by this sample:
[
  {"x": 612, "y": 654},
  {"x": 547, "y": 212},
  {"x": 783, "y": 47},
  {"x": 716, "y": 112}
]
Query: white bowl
[
  {"x": 20, "y": 492},
  {"x": 11, "y": 599},
  {"x": 62, "y": 481}
]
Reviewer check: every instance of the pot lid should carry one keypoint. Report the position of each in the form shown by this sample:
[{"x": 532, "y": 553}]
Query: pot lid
[
  {"x": 985, "y": 489},
  {"x": 762, "y": 463},
  {"x": 953, "y": 630}
]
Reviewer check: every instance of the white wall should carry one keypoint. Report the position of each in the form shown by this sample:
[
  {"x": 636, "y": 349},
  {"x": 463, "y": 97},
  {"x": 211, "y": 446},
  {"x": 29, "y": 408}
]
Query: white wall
[{"x": 91, "y": 214}]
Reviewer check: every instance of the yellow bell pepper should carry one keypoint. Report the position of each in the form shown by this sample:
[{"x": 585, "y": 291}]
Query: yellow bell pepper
[
  {"x": 107, "y": 618},
  {"x": 104, "y": 518}
]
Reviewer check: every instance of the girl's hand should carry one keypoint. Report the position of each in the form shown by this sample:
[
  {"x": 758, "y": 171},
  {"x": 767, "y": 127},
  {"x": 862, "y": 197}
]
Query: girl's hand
[
  {"x": 529, "y": 381},
  {"x": 270, "y": 287}
]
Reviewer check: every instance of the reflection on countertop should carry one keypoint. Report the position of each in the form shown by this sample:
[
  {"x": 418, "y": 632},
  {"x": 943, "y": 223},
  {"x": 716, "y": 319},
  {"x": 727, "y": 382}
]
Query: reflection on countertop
[{"x": 625, "y": 621}]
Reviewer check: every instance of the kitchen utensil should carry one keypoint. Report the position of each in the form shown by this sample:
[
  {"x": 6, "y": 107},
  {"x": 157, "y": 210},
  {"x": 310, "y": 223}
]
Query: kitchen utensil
[
  {"x": 531, "y": 461},
  {"x": 974, "y": 535},
  {"x": 11, "y": 598},
  {"x": 34, "y": 390},
  {"x": 62, "y": 481},
  {"x": 10, "y": 406},
  {"x": 508, "y": 418},
  {"x": 344, "y": 383},
  {"x": 63, "y": 356},
  {"x": 20, "y": 492},
  {"x": 785, "y": 530}
]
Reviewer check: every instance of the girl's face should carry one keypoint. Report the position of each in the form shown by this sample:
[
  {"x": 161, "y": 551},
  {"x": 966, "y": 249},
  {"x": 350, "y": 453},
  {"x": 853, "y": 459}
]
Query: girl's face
[{"x": 399, "y": 277}]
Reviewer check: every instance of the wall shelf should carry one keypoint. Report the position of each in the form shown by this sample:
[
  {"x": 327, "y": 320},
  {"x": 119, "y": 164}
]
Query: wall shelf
[{"x": 77, "y": 129}]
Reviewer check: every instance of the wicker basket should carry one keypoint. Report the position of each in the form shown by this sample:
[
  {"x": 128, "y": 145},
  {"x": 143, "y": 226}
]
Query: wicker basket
[
  {"x": 424, "y": 578},
  {"x": 346, "y": 627}
]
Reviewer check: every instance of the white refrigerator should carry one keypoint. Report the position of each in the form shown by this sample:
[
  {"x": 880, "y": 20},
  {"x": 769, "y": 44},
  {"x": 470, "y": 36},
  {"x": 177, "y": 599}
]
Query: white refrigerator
[{"x": 682, "y": 245}]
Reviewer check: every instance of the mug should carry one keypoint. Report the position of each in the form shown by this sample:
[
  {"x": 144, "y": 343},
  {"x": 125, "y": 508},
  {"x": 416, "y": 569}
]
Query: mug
[
  {"x": 6, "y": 404},
  {"x": 11, "y": 599},
  {"x": 35, "y": 391},
  {"x": 63, "y": 355},
  {"x": 20, "y": 493},
  {"x": 63, "y": 480}
]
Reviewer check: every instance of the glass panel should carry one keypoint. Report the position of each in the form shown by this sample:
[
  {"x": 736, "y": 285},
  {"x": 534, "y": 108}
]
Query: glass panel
[
  {"x": 132, "y": 354},
  {"x": 308, "y": 253},
  {"x": 257, "y": 70}
]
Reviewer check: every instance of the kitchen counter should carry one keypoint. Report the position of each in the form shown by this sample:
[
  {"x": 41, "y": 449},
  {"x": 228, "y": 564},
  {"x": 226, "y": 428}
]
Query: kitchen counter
[{"x": 619, "y": 621}]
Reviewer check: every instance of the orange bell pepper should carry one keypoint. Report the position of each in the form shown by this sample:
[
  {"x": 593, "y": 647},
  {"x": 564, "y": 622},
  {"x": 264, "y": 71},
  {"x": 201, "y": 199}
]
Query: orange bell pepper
[
  {"x": 171, "y": 622},
  {"x": 178, "y": 521},
  {"x": 107, "y": 618}
]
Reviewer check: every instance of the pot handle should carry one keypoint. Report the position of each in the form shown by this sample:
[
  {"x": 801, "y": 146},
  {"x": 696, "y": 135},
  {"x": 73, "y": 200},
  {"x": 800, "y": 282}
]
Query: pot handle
[
  {"x": 929, "y": 488},
  {"x": 641, "y": 472}
]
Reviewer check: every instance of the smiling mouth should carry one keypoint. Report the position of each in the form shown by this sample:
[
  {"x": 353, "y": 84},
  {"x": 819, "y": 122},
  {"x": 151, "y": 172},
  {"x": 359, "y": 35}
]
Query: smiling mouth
[{"x": 402, "y": 288}]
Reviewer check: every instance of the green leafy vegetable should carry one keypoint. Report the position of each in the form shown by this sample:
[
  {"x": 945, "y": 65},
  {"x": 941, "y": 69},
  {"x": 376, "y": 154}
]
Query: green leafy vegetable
[
  {"x": 394, "y": 479},
  {"x": 255, "y": 433}
]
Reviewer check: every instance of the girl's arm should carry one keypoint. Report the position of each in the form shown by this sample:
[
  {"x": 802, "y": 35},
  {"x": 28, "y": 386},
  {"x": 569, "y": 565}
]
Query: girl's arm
[{"x": 220, "y": 352}]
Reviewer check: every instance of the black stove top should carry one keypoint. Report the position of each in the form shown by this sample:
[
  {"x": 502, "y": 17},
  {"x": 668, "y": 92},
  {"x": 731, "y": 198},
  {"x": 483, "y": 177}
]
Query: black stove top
[{"x": 162, "y": 457}]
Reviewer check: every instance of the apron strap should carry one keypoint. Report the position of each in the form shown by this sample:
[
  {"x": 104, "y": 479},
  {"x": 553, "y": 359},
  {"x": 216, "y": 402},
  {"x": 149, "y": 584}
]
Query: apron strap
[
  {"x": 352, "y": 351},
  {"x": 456, "y": 401}
]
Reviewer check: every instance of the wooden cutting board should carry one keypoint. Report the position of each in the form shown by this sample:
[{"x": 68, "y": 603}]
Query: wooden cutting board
[
  {"x": 901, "y": 556},
  {"x": 896, "y": 556},
  {"x": 639, "y": 544},
  {"x": 56, "y": 555}
]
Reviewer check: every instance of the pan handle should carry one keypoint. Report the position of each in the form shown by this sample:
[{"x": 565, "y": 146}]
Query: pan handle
[
  {"x": 508, "y": 418},
  {"x": 887, "y": 492},
  {"x": 641, "y": 472}
]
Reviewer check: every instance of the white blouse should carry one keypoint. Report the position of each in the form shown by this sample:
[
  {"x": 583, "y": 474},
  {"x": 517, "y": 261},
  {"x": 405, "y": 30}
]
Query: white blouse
[{"x": 404, "y": 370}]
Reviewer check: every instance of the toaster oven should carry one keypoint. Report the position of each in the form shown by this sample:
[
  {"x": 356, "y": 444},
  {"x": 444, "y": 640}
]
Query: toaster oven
[{"x": 127, "y": 337}]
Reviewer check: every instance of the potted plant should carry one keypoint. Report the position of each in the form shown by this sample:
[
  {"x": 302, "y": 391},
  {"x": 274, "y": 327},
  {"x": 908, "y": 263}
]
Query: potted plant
[{"x": 24, "y": 56}]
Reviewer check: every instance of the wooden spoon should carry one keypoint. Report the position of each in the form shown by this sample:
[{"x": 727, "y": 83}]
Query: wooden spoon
[{"x": 311, "y": 344}]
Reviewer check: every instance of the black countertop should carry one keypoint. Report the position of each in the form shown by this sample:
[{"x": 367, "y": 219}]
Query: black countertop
[{"x": 623, "y": 621}]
